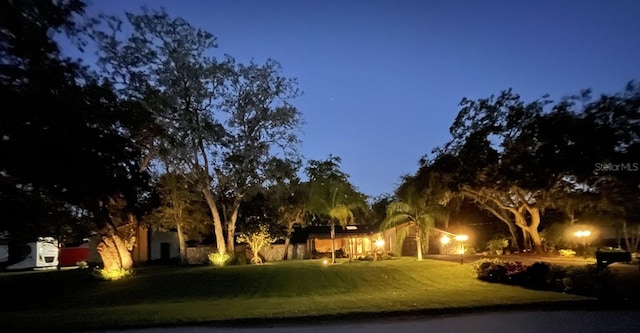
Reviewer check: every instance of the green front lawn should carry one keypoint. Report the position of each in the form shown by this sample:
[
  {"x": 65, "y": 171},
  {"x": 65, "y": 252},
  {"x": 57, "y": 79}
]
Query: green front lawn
[{"x": 74, "y": 300}]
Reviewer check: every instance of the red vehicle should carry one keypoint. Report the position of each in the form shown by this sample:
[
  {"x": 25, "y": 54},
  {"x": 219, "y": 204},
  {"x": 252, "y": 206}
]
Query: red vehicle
[{"x": 71, "y": 255}]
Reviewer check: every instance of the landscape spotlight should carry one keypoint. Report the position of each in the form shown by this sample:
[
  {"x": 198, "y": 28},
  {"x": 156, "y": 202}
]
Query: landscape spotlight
[
  {"x": 583, "y": 234},
  {"x": 461, "y": 239}
]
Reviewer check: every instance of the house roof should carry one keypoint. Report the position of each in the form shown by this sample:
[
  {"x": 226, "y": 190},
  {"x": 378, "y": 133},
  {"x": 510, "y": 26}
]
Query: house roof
[{"x": 324, "y": 231}]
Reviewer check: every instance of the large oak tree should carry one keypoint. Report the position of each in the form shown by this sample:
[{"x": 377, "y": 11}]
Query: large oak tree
[{"x": 66, "y": 137}]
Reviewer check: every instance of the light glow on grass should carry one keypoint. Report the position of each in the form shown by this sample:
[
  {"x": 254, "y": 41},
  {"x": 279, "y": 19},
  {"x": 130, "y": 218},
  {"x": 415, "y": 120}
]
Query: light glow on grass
[{"x": 164, "y": 296}]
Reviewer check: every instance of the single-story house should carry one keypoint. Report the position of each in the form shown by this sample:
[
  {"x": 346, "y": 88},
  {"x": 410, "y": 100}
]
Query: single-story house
[{"x": 348, "y": 239}]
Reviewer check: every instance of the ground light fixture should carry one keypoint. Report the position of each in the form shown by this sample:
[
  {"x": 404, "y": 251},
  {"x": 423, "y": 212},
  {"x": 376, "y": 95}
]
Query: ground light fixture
[{"x": 461, "y": 239}]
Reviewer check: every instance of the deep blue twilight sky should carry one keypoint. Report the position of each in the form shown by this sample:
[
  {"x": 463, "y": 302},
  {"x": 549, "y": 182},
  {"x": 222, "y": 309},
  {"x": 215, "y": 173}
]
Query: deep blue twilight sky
[{"x": 382, "y": 79}]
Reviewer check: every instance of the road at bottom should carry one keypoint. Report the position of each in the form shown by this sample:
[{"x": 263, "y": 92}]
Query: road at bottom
[{"x": 582, "y": 321}]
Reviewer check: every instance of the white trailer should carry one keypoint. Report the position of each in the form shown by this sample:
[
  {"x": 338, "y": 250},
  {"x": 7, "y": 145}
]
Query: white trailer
[{"x": 42, "y": 253}]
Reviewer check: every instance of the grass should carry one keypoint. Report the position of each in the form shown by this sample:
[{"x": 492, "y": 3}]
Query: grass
[{"x": 74, "y": 300}]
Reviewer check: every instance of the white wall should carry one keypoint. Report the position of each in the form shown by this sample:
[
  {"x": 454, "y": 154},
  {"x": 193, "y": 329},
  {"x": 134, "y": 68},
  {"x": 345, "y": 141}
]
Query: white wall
[{"x": 159, "y": 237}]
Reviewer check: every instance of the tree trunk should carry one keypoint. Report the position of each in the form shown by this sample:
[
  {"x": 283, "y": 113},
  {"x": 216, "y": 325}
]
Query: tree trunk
[
  {"x": 526, "y": 244},
  {"x": 183, "y": 245},
  {"x": 536, "y": 240},
  {"x": 626, "y": 236},
  {"x": 426, "y": 243},
  {"x": 231, "y": 226},
  {"x": 419, "y": 244},
  {"x": 514, "y": 236},
  {"x": 333, "y": 243},
  {"x": 108, "y": 251},
  {"x": 116, "y": 242},
  {"x": 530, "y": 230},
  {"x": 534, "y": 235},
  {"x": 632, "y": 239},
  {"x": 217, "y": 222},
  {"x": 287, "y": 240},
  {"x": 114, "y": 253}
]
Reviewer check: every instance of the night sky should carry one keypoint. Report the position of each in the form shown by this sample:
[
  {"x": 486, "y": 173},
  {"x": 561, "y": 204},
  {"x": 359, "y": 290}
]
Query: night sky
[{"x": 382, "y": 79}]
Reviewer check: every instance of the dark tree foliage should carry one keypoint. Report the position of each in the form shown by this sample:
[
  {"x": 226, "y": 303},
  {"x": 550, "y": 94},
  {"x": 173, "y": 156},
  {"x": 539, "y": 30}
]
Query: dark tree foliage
[
  {"x": 63, "y": 134},
  {"x": 331, "y": 195},
  {"x": 517, "y": 159}
]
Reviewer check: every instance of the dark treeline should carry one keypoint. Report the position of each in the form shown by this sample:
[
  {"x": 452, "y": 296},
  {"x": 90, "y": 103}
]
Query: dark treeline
[{"x": 163, "y": 133}]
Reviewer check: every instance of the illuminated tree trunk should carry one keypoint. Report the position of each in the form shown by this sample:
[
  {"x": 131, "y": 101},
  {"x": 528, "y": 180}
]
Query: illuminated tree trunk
[
  {"x": 418, "y": 243},
  {"x": 183, "y": 244},
  {"x": 631, "y": 238},
  {"x": 231, "y": 225},
  {"x": 333, "y": 243},
  {"x": 287, "y": 240},
  {"x": 217, "y": 221},
  {"x": 114, "y": 253},
  {"x": 530, "y": 229},
  {"x": 514, "y": 236}
]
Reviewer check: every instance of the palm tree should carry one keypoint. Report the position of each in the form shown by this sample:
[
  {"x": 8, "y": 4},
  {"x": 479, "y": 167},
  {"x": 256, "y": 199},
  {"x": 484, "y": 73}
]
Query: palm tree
[
  {"x": 420, "y": 208},
  {"x": 331, "y": 194},
  {"x": 419, "y": 217},
  {"x": 343, "y": 214},
  {"x": 422, "y": 200}
]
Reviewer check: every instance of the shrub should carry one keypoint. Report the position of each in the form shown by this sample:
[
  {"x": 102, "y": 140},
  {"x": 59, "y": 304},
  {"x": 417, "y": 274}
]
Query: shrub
[
  {"x": 567, "y": 253},
  {"x": 219, "y": 259},
  {"x": 496, "y": 270},
  {"x": 537, "y": 276},
  {"x": 479, "y": 264},
  {"x": 450, "y": 248},
  {"x": 556, "y": 278},
  {"x": 490, "y": 270},
  {"x": 497, "y": 245},
  {"x": 590, "y": 280},
  {"x": 112, "y": 275},
  {"x": 515, "y": 272},
  {"x": 257, "y": 239}
]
